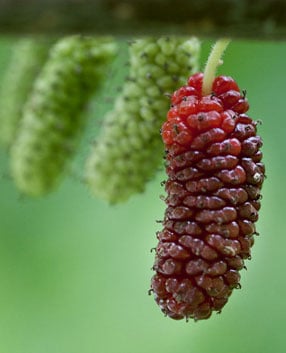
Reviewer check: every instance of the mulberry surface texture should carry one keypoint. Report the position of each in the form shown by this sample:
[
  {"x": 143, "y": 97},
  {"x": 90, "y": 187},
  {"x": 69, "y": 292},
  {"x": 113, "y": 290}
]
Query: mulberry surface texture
[
  {"x": 129, "y": 150},
  {"x": 54, "y": 114},
  {"x": 215, "y": 174}
]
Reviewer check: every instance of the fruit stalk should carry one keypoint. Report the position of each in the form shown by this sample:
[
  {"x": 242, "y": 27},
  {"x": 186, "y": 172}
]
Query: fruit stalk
[{"x": 214, "y": 60}]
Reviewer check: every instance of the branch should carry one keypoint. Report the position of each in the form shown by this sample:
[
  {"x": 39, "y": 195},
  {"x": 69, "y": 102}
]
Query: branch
[{"x": 264, "y": 19}]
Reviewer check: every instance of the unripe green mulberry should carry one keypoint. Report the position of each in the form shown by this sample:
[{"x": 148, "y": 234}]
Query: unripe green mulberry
[
  {"x": 53, "y": 115},
  {"x": 28, "y": 57},
  {"x": 129, "y": 150}
]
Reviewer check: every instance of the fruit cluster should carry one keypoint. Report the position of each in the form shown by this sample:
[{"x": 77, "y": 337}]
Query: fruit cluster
[{"x": 215, "y": 176}]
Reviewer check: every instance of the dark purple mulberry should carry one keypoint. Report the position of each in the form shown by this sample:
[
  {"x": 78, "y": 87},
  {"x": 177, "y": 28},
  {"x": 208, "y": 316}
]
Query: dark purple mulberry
[{"x": 215, "y": 176}]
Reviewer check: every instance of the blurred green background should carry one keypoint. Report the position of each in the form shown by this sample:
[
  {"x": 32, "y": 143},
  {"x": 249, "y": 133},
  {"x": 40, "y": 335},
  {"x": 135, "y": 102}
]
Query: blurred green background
[{"x": 74, "y": 272}]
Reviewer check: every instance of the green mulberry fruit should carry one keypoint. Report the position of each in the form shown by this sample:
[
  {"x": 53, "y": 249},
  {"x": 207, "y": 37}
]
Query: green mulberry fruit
[
  {"x": 129, "y": 150},
  {"x": 28, "y": 57},
  {"x": 53, "y": 115}
]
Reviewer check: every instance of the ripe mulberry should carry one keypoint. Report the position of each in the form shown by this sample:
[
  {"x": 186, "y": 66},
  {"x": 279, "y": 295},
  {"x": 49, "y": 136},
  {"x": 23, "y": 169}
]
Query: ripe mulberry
[
  {"x": 54, "y": 114},
  {"x": 129, "y": 150},
  {"x": 215, "y": 176}
]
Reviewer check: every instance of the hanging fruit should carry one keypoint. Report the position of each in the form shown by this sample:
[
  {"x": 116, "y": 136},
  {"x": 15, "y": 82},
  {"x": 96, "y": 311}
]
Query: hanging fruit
[{"x": 215, "y": 175}]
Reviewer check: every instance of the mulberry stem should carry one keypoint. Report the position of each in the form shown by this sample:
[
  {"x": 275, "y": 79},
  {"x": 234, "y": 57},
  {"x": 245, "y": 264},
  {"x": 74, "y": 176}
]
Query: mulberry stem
[{"x": 214, "y": 60}]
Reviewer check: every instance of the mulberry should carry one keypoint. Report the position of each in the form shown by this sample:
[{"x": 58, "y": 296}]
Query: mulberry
[
  {"x": 129, "y": 150},
  {"x": 54, "y": 113},
  {"x": 215, "y": 176},
  {"x": 28, "y": 57}
]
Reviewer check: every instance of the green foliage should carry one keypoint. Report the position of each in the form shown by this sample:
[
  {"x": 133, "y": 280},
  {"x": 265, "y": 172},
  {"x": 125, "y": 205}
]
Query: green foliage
[
  {"x": 53, "y": 115},
  {"x": 28, "y": 56},
  {"x": 129, "y": 150}
]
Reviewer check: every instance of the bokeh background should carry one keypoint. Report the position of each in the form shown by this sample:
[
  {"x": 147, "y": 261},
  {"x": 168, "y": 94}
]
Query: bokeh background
[{"x": 74, "y": 271}]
